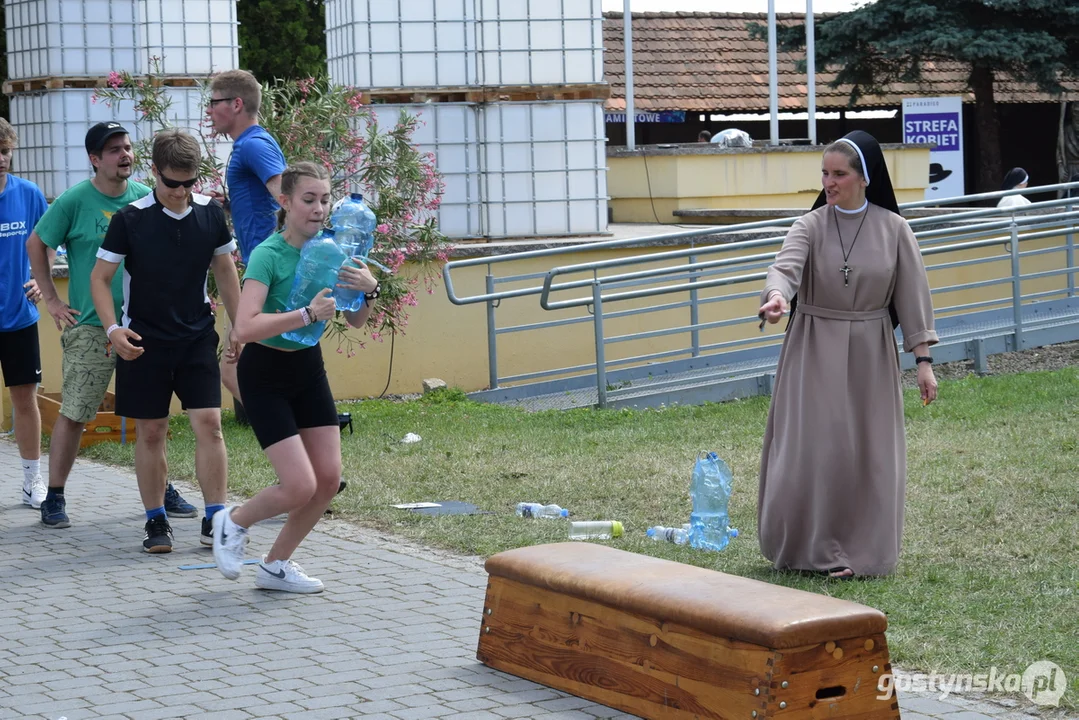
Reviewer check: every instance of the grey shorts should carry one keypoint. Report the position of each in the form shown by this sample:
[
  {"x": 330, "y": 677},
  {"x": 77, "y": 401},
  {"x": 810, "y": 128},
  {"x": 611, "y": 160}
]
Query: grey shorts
[{"x": 87, "y": 369}]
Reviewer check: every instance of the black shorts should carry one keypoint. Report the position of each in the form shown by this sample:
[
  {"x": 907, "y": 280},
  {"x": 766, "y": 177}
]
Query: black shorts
[
  {"x": 144, "y": 386},
  {"x": 283, "y": 392},
  {"x": 20, "y": 356}
]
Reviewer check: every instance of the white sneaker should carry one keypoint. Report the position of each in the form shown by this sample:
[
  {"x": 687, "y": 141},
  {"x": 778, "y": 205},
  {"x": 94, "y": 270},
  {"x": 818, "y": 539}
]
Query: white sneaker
[
  {"x": 287, "y": 576},
  {"x": 229, "y": 542},
  {"x": 34, "y": 492}
]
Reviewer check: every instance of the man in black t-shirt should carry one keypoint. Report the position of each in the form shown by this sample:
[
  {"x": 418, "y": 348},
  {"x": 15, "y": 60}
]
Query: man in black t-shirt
[{"x": 165, "y": 339}]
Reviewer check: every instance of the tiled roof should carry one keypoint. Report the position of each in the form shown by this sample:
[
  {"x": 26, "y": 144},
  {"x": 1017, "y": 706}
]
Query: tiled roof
[{"x": 707, "y": 61}]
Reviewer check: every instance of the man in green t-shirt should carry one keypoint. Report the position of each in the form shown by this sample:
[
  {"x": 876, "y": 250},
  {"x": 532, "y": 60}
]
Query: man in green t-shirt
[{"x": 78, "y": 219}]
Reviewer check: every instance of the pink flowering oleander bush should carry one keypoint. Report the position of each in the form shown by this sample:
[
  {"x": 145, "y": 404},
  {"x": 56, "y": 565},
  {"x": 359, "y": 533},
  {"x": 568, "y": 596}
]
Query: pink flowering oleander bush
[{"x": 311, "y": 119}]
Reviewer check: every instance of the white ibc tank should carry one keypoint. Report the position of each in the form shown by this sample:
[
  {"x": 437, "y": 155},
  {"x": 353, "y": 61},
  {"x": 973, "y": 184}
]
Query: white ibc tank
[
  {"x": 91, "y": 38},
  {"x": 451, "y": 132},
  {"x": 515, "y": 169},
  {"x": 544, "y": 168},
  {"x": 192, "y": 37},
  {"x": 52, "y": 128},
  {"x": 401, "y": 43},
  {"x": 527, "y": 42},
  {"x": 47, "y": 38},
  {"x": 448, "y": 43}
]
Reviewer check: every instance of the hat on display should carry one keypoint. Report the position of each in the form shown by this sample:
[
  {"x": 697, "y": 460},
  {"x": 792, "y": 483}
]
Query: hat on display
[{"x": 937, "y": 173}]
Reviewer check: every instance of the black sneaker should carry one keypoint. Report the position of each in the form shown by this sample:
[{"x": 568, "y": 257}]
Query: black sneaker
[
  {"x": 158, "y": 536},
  {"x": 52, "y": 512},
  {"x": 207, "y": 537},
  {"x": 176, "y": 506}
]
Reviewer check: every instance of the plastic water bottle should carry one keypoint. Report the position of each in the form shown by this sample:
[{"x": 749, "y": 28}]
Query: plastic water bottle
[
  {"x": 537, "y": 510},
  {"x": 710, "y": 491},
  {"x": 354, "y": 224},
  {"x": 320, "y": 263},
  {"x": 595, "y": 530},
  {"x": 678, "y": 536}
]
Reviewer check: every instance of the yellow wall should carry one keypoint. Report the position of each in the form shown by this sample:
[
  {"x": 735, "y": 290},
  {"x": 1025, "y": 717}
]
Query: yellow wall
[{"x": 787, "y": 177}]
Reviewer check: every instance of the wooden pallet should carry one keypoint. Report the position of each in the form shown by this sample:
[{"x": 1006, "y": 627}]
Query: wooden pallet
[
  {"x": 106, "y": 427},
  {"x": 501, "y": 93},
  {"x": 664, "y": 640},
  {"x": 41, "y": 84}
]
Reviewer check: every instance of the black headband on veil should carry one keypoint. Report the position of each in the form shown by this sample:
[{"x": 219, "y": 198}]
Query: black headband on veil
[{"x": 879, "y": 190}]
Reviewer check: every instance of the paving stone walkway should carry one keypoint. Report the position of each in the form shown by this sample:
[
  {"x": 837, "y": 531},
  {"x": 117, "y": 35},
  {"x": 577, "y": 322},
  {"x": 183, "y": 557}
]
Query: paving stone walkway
[{"x": 93, "y": 627}]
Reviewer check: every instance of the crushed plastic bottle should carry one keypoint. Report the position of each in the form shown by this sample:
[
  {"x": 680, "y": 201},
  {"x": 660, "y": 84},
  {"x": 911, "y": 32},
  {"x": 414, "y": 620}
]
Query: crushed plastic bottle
[
  {"x": 678, "y": 536},
  {"x": 354, "y": 225},
  {"x": 710, "y": 490},
  {"x": 595, "y": 530},
  {"x": 538, "y": 510},
  {"x": 320, "y": 263}
]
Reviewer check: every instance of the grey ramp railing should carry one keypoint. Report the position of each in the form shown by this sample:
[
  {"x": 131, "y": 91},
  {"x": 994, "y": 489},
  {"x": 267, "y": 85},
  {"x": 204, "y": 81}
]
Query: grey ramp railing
[{"x": 742, "y": 365}]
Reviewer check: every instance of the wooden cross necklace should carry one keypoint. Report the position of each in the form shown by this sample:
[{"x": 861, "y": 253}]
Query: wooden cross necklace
[{"x": 846, "y": 253}]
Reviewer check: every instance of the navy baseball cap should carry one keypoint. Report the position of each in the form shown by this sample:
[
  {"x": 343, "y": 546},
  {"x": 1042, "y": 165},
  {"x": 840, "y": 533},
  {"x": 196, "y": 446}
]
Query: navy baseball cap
[{"x": 100, "y": 133}]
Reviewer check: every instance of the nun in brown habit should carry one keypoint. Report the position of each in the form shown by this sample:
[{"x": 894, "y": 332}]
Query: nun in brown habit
[{"x": 834, "y": 464}]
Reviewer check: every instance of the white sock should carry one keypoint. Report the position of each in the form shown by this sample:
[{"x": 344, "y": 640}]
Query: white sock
[{"x": 30, "y": 469}]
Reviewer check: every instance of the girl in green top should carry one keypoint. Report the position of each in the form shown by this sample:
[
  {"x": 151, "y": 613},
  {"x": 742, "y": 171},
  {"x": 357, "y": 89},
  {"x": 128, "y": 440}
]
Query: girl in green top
[{"x": 285, "y": 389}]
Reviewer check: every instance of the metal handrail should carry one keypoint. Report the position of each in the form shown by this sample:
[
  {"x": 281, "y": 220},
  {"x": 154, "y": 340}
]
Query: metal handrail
[
  {"x": 966, "y": 230},
  {"x": 549, "y": 286},
  {"x": 712, "y": 230}
]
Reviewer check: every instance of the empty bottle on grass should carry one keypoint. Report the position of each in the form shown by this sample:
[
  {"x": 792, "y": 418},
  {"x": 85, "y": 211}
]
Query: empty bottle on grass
[
  {"x": 538, "y": 510},
  {"x": 710, "y": 491},
  {"x": 678, "y": 536},
  {"x": 595, "y": 530},
  {"x": 354, "y": 225},
  {"x": 320, "y": 263}
]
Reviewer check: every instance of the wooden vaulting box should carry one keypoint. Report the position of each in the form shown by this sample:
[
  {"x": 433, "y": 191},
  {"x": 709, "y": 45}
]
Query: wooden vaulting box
[
  {"x": 661, "y": 639},
  {"x": 107, "y": 426}
]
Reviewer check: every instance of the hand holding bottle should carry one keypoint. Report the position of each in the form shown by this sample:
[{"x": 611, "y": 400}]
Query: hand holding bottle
[
  {"x": 356, "y": 276},
  {"x": 322, "y": 306}
]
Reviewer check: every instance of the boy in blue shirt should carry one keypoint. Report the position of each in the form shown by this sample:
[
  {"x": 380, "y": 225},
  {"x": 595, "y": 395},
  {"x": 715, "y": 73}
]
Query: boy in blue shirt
[{"x": 21, "y": 205}]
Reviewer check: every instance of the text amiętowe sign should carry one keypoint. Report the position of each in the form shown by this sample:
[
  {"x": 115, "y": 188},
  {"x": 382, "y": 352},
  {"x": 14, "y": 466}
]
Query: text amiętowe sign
[
  {"x": 938, "y": 121},
  {"x": 666, "y": 116}
]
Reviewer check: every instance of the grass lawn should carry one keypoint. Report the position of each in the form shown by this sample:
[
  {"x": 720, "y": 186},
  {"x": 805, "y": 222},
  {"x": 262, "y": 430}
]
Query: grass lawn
[{"x": 988, "y": 575}]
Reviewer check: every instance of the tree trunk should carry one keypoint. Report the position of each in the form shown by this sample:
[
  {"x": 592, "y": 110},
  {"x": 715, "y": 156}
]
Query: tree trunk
[{"x": 985, "y": 108}]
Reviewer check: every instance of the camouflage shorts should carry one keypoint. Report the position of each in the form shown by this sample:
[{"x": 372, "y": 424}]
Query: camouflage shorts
[{"x": 87, "y": 371}]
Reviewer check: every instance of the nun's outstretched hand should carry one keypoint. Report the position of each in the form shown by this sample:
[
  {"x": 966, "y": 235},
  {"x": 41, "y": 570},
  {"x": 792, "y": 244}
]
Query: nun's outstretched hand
[{"x": 775, "y": 308}]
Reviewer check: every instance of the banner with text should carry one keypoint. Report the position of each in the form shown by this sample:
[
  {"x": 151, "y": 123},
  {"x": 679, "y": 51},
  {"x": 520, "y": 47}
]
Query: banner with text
[
  {"x": 664, "y": 116},
  {"x": 940, "y": 121}
]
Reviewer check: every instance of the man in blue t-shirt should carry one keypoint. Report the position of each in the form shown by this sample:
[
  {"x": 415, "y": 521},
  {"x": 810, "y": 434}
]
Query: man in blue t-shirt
[
  {"x": 21, "y": 205},
  {"x": 253, "y": 173}
]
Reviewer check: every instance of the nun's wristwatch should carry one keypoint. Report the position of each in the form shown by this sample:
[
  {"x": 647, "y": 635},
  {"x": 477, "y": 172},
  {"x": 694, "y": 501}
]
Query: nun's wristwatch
[{"x": 923, "y": 359}]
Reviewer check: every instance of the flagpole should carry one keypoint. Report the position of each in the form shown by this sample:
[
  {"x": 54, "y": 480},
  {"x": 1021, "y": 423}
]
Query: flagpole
[
  {"x": 627, "y": 24},
  {"x": 811, "y": 72},
  {"x": 773, "y": 75}
]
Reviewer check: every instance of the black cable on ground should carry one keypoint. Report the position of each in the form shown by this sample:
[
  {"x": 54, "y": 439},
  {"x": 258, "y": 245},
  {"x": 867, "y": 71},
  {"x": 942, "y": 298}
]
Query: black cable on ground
[{"x": 389, "y": 372}]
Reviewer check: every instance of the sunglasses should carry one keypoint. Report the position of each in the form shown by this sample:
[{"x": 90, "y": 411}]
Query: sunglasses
[
  {"x": 169, "y": 182},
  {"x": 215, "y": 101}
]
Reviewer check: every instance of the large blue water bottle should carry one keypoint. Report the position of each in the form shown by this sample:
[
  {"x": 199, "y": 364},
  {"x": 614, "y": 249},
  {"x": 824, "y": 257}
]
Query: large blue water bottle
[
  {"x": 354, "y": 224},
  {"x": 710, "y": 491},
  {"x": 320, "y": 263}
]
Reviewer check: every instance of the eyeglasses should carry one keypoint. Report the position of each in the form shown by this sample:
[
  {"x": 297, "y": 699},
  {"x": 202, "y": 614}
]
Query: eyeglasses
[
  {"x": 169, "y": 182},
  {"x": 214, "y": 101}
]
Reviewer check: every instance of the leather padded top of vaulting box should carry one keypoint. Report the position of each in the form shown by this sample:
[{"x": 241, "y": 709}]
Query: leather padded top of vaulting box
[{"x": 712, "y": 602}]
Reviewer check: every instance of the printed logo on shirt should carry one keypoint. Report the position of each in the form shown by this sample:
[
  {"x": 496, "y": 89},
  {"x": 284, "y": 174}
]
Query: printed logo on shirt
[
  {"x": 11, "y": 229},
  {"x": 102, "y": 227}
]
